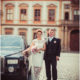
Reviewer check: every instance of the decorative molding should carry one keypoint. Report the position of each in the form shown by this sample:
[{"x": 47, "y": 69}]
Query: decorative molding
[
  {"x": 37, "y": 5},
  {"x": 23, "y": 5},
  {"x": 9, "y": 5},
  {"x": 51, "y": 5},
  {"x": 26, "y": 25}
]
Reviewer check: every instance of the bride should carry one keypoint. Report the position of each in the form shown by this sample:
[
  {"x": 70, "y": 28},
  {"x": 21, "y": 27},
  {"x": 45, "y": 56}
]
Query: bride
[{"x": 37, "y": 49}]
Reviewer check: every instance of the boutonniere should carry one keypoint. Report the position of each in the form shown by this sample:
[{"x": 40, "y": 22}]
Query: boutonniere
[{"x": 54, "y": 42}]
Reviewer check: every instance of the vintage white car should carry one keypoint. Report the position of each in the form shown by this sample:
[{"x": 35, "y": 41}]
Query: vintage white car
[{"x": 13, "y": 63}]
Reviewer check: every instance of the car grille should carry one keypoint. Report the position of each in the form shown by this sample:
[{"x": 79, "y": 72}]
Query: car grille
[{"x": 2, "y": 64}]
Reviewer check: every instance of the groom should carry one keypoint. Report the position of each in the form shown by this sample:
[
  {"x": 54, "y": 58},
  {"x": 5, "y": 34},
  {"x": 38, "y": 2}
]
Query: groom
[{"x": 52, "y": 53}]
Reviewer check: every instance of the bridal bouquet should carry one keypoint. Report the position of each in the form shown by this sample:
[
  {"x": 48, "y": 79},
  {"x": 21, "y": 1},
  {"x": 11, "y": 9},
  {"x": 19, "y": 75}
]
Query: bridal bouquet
[{"x": 34, "y": 49}]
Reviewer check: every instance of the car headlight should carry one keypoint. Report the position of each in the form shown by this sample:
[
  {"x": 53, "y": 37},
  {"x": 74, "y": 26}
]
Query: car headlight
[
  {"x": 13, "y": 61},
  {"x": 11, "y": 69}
]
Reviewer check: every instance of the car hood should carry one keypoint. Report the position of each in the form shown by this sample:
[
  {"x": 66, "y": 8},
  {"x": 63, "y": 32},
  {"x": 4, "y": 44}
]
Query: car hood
[{"x": 4, "y": 53}]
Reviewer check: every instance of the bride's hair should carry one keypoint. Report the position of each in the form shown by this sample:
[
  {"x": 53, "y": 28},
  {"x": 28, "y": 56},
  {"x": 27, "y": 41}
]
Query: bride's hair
[{"x": 38, "y": 30}]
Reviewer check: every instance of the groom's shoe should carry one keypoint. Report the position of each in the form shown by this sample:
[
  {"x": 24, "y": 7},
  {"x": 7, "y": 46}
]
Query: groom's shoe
[
  {"x": 48, "y": 79},
  {"x": 54, "y": 79}
]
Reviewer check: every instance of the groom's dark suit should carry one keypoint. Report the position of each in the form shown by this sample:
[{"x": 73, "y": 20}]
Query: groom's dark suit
[{"x": 53, "y": 49}]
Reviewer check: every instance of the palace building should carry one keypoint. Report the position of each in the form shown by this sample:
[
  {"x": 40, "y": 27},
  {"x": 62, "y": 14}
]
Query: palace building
[{"x": 23, "y": 17}]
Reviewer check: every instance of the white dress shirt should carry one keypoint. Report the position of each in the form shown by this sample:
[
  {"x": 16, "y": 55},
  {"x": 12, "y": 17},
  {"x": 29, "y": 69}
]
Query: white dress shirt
[{"x": 50, "y": 38}]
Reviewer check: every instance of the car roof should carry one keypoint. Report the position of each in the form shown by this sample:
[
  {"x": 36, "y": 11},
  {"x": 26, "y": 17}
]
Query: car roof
[{"x": 10, "y": 36}]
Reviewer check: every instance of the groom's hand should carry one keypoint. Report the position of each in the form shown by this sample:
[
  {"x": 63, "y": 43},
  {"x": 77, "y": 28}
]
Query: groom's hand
[{"x": 57, "y": 58}]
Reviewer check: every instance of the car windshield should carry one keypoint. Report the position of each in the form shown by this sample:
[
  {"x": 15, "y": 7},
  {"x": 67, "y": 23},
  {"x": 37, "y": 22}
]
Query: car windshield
[{"x": 10, "y": 43}]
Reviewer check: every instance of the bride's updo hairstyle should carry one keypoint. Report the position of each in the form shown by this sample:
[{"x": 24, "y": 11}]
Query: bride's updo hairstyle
[{"x": 38, "y": 30}]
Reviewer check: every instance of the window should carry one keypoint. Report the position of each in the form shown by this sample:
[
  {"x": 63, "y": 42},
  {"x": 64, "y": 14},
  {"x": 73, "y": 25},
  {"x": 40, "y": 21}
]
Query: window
[
  {"x": 67, "y": 6},
  {"x": 34, "y": 36},
  {"x": 8, "y": 31},
  {"x": 76, "y": 15},
  {"x": 51, "y": 15},
  {"x": 37, "y": 15},
  {"x": 47, "y": 32},
  {"x": 9, "y": 13},
  {"x": 23, "y": 15},
  {"x": 66, "y": 15},
  {"x": 22, "y": 32},
  {"x": 34, "y": 33},
  {"x": 23, "y": 12}
]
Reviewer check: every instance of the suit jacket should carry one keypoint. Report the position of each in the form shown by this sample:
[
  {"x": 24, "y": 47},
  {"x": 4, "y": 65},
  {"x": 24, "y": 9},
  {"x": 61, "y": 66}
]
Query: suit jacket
[{"x": 53, "y": 48}]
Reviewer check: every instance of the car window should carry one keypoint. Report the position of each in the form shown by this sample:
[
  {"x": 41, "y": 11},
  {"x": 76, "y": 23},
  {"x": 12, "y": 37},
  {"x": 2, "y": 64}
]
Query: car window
[{"x": 11, "y": 43}]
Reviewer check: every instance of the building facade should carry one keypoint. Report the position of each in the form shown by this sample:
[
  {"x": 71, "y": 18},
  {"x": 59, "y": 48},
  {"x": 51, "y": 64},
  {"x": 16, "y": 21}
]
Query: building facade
[{"x": 23, "y": 17}]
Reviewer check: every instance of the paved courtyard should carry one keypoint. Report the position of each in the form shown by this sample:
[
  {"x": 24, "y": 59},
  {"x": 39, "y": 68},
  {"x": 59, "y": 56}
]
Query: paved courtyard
[{"x": 68, "y": 67}]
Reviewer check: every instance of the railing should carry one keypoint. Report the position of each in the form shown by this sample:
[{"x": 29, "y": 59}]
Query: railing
[{"x": 70, "y": 22}]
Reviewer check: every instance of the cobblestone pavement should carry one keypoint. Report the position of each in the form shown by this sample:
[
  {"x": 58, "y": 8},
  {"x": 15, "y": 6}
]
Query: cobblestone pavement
[{"x": 68, "y": 66}]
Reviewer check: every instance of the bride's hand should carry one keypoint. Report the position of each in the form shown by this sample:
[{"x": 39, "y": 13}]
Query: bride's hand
[
  {"x": 38, "y": 50},
  {"x": 24, "y": 52}
]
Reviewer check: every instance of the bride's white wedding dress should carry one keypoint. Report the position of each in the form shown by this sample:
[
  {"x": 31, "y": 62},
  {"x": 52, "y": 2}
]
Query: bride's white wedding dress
[{"x": 38, "y": 64}]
